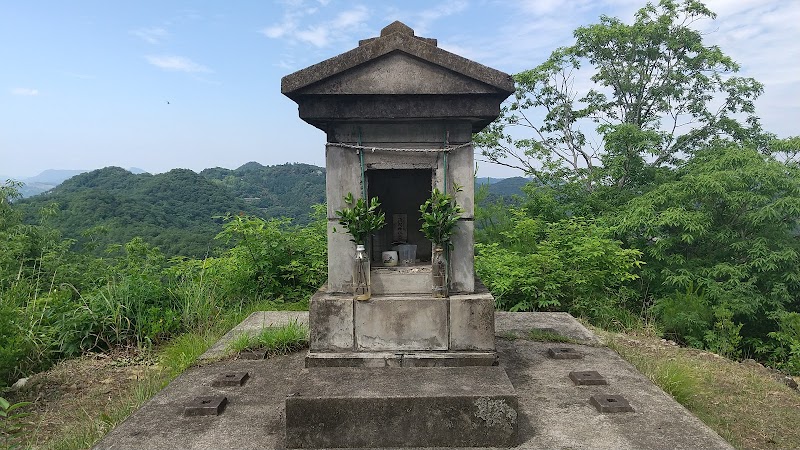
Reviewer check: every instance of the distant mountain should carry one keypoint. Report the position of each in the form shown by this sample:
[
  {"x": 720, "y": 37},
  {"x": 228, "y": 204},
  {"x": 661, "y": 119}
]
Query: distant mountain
[
  {"x": 175, "y": 210},
  {"x": 54, "y": 176},
  {"x": 179, "y": 210},
  {"x": 51, "y": 178},
  {"x": 500, "y": 189},
  {"x": 286, "y": 190}
]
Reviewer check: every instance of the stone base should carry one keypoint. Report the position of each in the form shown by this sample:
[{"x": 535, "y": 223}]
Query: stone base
[
  {"x": 391, "y": 359},
  {"x": 402, "y": 323},
  {"x": 423, "y": 407}
]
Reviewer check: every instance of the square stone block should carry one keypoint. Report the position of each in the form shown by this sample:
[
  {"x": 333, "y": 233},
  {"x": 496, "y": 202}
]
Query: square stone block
[
  {"x": 472, "y": 322},
  {"x": 611, "y": 403},
  {"x": 564, "y": 353},
  {"x": 231, "y": 379},
  {"x": 330, "y": 321},
  {"x": 205, "y": 406},
  {"x": 587, "y": 378},
  {"x": 401, "y": 323}
]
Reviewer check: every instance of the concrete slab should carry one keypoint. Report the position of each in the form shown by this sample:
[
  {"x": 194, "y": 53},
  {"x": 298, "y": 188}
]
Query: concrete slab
[
  {"x": 554, "y": 413},
  {"x": 520, "y": 324},
  {"x": 375, "y": 408},
  {"x": 253, "y": 324}
]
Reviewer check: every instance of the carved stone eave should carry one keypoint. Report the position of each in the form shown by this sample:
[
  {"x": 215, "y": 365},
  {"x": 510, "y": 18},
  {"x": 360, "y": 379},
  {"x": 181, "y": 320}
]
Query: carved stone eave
[{"x": 397, "y": 76}]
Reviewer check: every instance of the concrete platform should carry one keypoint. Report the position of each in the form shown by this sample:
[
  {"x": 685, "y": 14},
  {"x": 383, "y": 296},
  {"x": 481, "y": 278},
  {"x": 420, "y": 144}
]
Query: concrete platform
[
  {"x": 386, "y": 407},
  {"x": 554, "y": 413}
]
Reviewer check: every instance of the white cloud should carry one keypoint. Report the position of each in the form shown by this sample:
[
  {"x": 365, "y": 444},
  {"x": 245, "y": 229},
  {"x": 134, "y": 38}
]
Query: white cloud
[
  {"x": 28, "y": 92},
  {"x": 320, "y": 34},
  {"x": 422, "y": 21},
  {"x": 151, "y": 35},
  {"x": 176, "y": 63}
]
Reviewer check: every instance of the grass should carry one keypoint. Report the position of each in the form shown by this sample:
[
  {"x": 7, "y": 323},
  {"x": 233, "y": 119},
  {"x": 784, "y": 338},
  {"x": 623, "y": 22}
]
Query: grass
[
  {"x": 275, "y": 341},
  {"x": 540, "y": 335},
  {"x": 745, "y": 404},
  {"x": 173, "y": 359}
]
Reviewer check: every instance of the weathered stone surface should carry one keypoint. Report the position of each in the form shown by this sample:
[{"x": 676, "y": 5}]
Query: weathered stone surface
[
  {"x": 354, "y": 359},
  {"x": 398, "y": 74},
  {"x": 331, "y": 322},
  {"x": 431, "y": 407},
  {"x": 395, "y": 42},
  {"x": 385, "y": 134},
  {"x": 402, "y": 280},
  {"x": 449, "y": 359},
  {"x": 462, "y": 258},
  {"x": 521, "y": 323},
  {"x": 472, "y": 322},
  {"x": 400, "y": 359},
  {"x": 553, "y": 413},
  {"x": 401, "y": 323}
]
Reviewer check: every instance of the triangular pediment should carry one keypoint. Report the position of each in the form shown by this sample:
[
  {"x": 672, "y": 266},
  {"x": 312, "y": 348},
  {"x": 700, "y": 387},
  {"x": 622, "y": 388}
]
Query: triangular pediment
[
  {"x": 397, "y": 59},
  {"x": 398, "y": 73}
]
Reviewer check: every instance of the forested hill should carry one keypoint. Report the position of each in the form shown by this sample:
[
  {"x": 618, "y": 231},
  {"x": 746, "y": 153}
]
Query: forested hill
[
  {"x": 176, "y": 210},
  {"x": 286, "y": 190},
  {"x": 173, "y": 210}
]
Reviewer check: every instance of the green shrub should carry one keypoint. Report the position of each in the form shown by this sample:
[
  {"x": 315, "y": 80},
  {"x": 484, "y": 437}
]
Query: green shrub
[
  {"x": 571, "y": 265},
  {"x": 685, "y": 317},
  {"x": 788, "y": 337}
]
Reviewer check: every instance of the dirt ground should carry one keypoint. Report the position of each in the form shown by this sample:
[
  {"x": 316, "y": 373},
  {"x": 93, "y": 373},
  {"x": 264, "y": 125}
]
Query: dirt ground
[{"x": 77, "y": 391}]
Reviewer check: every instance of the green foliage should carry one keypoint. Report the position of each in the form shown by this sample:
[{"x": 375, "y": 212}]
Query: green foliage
[
  {"x": 726, "y": 229},
  {"x": 651, "y": 78},
  {"x": 56, "y": 303},
  {"x": 685, "y": 317},
  {"x": 540, "y": 335},
  {"x": 108, "y": 206},
  {"x": 439, "y": 216},
  {"x": 270, "y": 258},
  {"x": 361, "y": 219},
  {"x": 724, "y": 338},
  {"x": 10, "y": 428},
  {"x": 571, "y": 265},
  {"x": 788, "y": 337},
  {"x": 286, "y": 190},
  {"x": 275, "y": 340}
]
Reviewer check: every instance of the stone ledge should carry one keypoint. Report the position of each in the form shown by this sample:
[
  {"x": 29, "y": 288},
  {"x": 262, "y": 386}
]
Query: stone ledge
[
  {"x": 400, "y": 359},
  {"x": 426, "y": 407}
]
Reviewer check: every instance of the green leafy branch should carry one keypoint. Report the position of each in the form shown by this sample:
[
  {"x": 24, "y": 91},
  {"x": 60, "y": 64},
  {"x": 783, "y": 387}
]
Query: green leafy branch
[
  {"x": 360, "y": 218},
  {"x": 440, "y": 215}
]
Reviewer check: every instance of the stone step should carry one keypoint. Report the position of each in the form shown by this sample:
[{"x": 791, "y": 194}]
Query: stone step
[
  {"x": 417, "y": 407},
  {"x": 397, "y": 359}
]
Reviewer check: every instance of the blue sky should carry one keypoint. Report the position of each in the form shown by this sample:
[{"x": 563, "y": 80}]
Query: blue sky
[{"x": 85, "y": 84}]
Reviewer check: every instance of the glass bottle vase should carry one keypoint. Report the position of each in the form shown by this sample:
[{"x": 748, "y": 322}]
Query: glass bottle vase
[
  {"x": 439, "y": 273},
  {"x": 361, "y": 290}
]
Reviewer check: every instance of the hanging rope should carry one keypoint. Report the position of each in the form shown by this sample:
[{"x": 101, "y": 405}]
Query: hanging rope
[{"x": 363, "y": 181}]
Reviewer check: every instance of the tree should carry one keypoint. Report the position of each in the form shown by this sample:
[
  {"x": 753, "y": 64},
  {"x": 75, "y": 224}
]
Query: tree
[
  {"x": 657, "y": 95},
  {"x": 721, "y": 241}
]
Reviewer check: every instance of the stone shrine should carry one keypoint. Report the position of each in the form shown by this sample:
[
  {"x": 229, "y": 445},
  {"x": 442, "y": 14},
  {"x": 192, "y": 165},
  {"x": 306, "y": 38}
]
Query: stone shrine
[{"x": 399, "y": 113}]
